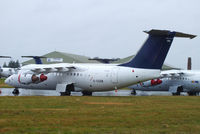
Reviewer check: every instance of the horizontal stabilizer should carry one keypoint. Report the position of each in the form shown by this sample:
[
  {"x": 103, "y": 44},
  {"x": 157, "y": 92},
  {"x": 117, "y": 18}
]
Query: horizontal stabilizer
[
  {"x": 167, "y": 33},
  {"x": 154, "y": 51},
  {"x": 5, "y": 57},
  {"x": 33, "y": 57},
  {"x": 36, "y": 58}
]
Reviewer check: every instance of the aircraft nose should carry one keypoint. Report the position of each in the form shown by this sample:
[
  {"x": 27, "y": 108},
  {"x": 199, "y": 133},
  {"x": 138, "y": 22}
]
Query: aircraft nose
[{"x": 7, "y": 81}]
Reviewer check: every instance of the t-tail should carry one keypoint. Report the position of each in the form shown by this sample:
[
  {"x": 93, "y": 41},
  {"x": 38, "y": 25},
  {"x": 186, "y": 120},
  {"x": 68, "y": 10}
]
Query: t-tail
[
  {"x": 36, "y": 58},
  {"x": 154, "y": 51}
]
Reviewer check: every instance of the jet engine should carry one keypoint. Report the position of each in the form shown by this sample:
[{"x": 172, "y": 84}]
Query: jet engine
[
  {"x": 31, "y": 78},
  {"x": 152, "y": 82}
]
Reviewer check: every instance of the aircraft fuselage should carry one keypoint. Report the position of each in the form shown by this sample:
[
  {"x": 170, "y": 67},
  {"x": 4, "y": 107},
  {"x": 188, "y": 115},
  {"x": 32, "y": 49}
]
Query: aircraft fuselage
[{"x": 90, "y": 77}]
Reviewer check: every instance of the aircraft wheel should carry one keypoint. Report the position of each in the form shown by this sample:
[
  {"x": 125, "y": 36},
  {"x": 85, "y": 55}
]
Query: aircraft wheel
[
  {"x": 66, "y": 93},
  {"x": 15, "y": 92},
  {"x": 176, "y": 94},
  {"x": 192, "y": 93},
  {"x": 133, "y": 92},
  {"x": 86, "y": 93}
]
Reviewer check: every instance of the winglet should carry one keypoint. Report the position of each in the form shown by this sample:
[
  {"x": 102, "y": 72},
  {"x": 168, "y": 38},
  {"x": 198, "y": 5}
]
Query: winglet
[{"x": 167, "y": 33}]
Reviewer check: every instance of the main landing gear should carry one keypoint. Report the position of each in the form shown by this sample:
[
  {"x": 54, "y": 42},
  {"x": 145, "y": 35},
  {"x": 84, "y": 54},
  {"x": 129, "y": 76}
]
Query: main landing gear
[
  {"x": 68, "y": 90},
  {"x": 178, "y": 92},
  {"x": 15, "y": 92},
  {"x": 133, "y": 92},
  {"x": 66, "y": 93},
  {"x": 193, "y": 93}
]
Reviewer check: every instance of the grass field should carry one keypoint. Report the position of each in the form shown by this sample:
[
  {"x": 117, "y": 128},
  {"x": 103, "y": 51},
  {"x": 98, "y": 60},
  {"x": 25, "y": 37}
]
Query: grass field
[
  {"x": 99, "y": 115},
  {"x": 3, "y": 85}
]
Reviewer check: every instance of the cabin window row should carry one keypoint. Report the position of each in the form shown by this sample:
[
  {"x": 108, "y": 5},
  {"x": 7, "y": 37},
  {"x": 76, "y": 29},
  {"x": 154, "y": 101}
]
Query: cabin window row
[
  {"x": 70, "y": 74},
  {"x": 75, "y": 74}
]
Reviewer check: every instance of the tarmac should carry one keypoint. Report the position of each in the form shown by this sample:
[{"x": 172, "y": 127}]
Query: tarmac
[{"x": 28, "y": 92}]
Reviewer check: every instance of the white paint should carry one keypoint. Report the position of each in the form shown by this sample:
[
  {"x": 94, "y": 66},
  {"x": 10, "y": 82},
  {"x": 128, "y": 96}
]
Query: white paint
[{"x": 90, "y": 77}]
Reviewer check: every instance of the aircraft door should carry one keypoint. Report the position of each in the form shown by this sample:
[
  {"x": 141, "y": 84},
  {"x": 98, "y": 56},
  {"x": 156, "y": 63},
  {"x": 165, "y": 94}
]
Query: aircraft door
[{"x": 114, "y": 75}]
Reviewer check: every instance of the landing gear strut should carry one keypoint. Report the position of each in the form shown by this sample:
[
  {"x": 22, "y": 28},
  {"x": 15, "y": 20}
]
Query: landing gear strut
[
  {"x": 179, "y": 90},
  {"x": 87, "y": 93},
  {"x": 68, "y": 90},
  {"x": 15, "y": 92}
]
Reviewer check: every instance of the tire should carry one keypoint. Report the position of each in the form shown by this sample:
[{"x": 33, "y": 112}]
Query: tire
[
  {"x": 133, "y": 92},
  {"x": 87, "y": 93},
  {"x": 66, "y": 93},
  {"x": 15, "y": 92}
]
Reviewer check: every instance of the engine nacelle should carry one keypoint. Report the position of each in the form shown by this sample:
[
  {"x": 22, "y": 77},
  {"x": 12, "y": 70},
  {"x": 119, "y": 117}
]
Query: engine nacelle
[
  {"x": 152, "y": 82},
  {"x": 31, "y": 78}
]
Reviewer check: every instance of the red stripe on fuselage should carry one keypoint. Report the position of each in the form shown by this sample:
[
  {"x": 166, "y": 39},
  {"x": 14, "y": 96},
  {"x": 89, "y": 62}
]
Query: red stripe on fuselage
[{"x": 19, "y": 78}]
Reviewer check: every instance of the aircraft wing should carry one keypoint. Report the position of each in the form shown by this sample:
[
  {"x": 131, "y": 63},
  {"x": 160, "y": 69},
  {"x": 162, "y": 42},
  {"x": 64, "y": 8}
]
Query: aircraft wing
[
  {"x": 172, "y": 73},
  {"x": 52, "y": 68}
]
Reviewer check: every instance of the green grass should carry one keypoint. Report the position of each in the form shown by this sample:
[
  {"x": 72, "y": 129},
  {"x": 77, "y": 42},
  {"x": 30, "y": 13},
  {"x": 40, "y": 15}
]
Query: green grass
[
  {"x": 98, "y": 115},
  {"x": 3, "y": 85}
]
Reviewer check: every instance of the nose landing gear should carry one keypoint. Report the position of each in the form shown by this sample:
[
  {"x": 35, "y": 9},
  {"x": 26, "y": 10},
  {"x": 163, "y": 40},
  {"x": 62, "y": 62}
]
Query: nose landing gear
[{"x": 15, "y": 92}]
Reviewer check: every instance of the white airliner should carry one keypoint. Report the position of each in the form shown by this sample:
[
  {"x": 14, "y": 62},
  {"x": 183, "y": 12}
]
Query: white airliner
[
  {"x": 4, "y": 71},
  {"x": 174, "y": 81},
  {"x": 88, "y": 78}
]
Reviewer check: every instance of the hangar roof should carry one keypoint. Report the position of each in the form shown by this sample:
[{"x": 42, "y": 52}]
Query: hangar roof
[{"x": 67, "y": 58}]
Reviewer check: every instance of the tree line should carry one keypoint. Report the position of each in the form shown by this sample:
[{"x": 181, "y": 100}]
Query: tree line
[{"x": 12, "y": 64}]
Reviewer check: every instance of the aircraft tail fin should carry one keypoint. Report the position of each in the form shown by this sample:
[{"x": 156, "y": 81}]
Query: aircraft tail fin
[
  {"x": 36, "y": 58},
  {"x": 154, "y": 51}
]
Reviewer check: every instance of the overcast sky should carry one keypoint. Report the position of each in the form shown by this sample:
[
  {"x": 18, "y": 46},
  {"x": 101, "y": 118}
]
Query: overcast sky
[{"x": 103, "y": 28}]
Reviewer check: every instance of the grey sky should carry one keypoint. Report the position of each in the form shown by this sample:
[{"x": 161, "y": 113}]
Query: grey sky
[{"x": 103, "y": 28}]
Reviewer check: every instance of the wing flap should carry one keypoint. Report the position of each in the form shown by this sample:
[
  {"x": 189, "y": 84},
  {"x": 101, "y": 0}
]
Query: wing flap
[
  {"x": 172, "y": 73},
  {"x": 52, "y": 68}
]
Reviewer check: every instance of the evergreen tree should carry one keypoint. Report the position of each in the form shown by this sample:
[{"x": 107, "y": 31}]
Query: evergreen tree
[
  {"x": 17, "y": 64},
  {"x": 4, "y": 65},
  {"x": 13, "y": 64}
]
